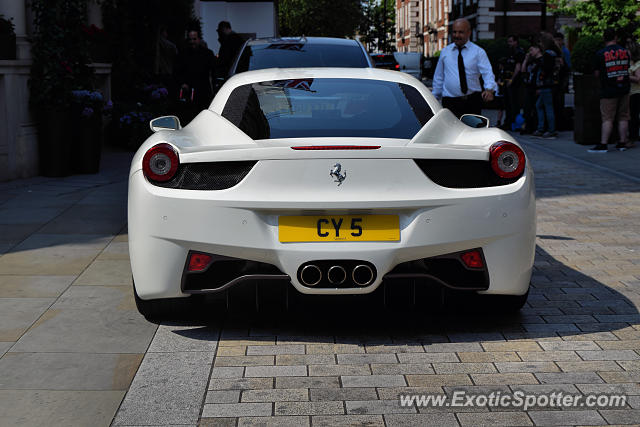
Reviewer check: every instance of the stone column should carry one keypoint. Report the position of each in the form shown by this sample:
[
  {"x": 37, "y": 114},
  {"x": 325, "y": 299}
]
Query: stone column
[
  {"x": 16, "y": 9},
  {"x": 94, "y": 13}
]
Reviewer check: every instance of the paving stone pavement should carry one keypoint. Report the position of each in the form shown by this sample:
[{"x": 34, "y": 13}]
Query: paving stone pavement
[{"x": 74, "y": 351}]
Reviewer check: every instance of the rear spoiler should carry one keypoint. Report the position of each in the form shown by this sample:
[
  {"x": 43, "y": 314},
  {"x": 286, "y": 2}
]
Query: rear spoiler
[
  {"x": 209, "y": 123},
  {"x": 443, "y": 128}
]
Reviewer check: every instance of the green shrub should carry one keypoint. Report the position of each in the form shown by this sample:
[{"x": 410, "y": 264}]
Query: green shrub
[
  {"x": 60, "y": 53},
  {"x": 583, "y": 54}
]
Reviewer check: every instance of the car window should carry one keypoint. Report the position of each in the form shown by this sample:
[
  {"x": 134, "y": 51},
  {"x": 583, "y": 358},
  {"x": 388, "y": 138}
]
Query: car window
[
  {"x": 291, "y": 55},
  {"x": 384, "y": 61},
  {"x": 327, "y": 108}
]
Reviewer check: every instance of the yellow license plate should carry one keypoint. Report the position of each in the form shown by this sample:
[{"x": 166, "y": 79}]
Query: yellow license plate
[{"x": 339, "y": 228}]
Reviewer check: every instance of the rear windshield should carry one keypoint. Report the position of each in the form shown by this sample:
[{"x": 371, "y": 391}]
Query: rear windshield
[
  {"x": 293, "y": 55},
  {"x": 327, "y": 108}
]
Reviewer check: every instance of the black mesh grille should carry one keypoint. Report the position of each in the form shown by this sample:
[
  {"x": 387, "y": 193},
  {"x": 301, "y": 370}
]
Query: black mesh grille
[
  {"x": 208, "y": 176},
  {"x": 448, "y": 269},
  {"x": 461, "y": 173}
]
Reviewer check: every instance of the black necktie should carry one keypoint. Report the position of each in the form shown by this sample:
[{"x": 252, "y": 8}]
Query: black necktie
[{"x": 463, "y": 76}]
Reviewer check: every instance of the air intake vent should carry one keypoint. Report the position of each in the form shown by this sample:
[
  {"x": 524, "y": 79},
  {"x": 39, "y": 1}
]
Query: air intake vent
[
  {"x": 461, "y": 173},
  {"x": 208, "y": 176}
]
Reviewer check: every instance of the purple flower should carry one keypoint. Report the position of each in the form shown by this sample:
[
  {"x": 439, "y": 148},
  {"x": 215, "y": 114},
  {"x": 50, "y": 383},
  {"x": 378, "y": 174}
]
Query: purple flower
[
  {"x": 79, "y": 94},
  {"x": 159, "y": 93}
]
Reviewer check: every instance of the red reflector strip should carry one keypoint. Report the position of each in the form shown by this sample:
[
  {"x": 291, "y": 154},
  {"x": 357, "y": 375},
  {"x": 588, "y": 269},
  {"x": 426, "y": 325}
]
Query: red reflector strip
[
  {"x": 472, "y": 259},
  {"x": 337, "y": 147},
  {"x": 199, "y": 262}
]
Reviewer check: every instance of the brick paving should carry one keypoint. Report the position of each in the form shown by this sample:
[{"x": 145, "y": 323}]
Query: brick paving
[{"x": 578, "y": 334}]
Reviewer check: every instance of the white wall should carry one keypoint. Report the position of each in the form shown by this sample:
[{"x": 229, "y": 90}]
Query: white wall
[{"x": 245, "y": 17}]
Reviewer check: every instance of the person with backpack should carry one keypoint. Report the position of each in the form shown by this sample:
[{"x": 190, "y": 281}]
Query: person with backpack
[{"x": 547, "y": 80}]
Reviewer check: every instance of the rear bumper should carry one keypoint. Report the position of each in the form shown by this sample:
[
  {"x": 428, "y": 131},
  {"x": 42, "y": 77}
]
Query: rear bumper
[{"x": 165, "y": 224}]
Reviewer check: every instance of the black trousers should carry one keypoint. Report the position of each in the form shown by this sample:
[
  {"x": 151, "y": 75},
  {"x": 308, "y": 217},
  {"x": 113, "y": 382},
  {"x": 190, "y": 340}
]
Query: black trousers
[
  {"x": 558, "y": 108},
  {"x": 512, "y": 103},
  {"x": 530, "y": 114},
  {"x": 468, "y": 104}
]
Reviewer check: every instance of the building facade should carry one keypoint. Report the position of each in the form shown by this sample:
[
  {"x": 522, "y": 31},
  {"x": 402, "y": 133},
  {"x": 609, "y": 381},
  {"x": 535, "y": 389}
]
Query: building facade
[
  {"x": 435, "y": 25},
  {"x": 408, "y": 25},
  {"x": 425, "y": 25},
  {"x": 491, "y": 19},
  {"x": 422, "y": 25}
]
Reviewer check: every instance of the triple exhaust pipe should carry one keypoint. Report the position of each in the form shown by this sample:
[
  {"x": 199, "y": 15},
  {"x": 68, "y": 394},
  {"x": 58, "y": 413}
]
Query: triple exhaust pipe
[{"x": 362, "y": 275}]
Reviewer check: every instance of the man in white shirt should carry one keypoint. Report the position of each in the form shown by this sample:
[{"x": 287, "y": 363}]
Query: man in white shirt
[{"x": 457, "y": 77}]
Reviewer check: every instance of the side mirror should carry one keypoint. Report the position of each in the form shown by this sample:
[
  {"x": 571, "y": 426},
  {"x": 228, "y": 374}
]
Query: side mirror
[
  {"x": 165, "y": 123},
  {"x": 475, "y": 121}
]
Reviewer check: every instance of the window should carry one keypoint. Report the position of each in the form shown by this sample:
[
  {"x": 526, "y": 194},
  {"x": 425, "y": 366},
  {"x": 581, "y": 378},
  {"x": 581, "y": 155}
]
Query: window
[
  {"x": 307, "y": 108},
  {"x": 288, "y": 54}
]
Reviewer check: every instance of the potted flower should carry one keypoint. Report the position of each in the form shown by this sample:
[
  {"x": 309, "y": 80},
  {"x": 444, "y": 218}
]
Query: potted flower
[
  {"x": 587, "y": 121},
  {"x": 132, "y": 126},
  {"x": 86, "y": 145},
  {"x": 7, "y": 38}
]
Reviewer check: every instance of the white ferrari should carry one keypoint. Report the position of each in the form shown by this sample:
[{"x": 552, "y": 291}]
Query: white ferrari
[{"x": 332, "y": 181}]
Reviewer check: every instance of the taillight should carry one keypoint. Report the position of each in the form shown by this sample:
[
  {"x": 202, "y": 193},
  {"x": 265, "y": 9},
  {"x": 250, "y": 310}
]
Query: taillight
[
  {"x": 397, "y": 66},
  {"x": 198, "y": 261},
  {"x": 507, "y": 159},
  {"x": 472, "y": 259},
  {"x": 160, "y": 163}
]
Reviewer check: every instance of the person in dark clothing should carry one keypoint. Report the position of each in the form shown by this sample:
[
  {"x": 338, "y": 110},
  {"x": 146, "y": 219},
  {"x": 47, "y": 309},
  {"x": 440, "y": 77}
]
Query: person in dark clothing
[
  {"x": 634, "y": 95},
  {"x": 166, "y": 53},
  {"x": 230, "y": 44},
  {"x": 612, "y": 67},
  {"x": 530, "y": 70},
  {"x": 194, "y": 68},
  {"x": 499, "y": 96},
  {"x": 563, "y": 87},
  {"x": 547, "y": 81},
  {"x": 512, "y": 80}
]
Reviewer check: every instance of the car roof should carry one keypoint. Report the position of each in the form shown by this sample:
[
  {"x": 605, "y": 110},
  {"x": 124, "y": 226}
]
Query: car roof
[
  {"x": 320, "y": 72},
  {"x": 302, "y": 39}
]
